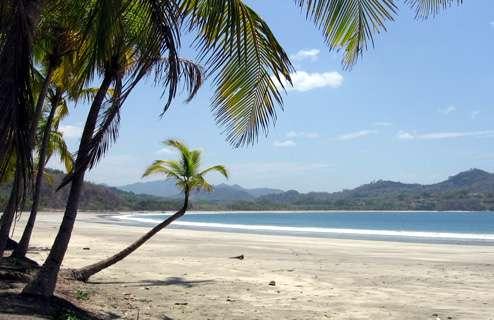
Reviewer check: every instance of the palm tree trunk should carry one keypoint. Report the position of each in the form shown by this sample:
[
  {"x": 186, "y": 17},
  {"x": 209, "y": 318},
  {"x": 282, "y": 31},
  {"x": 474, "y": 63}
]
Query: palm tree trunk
[
  {"x": 12, "y": 208},
  {"x": 8, "y": 215},
  {"x": 21, "y": 249},
  {"x": 45, "y": 280},
  {"x": 85, "y": 273}
]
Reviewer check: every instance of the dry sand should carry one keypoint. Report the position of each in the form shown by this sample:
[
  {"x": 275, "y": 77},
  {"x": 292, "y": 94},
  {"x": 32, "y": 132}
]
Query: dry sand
[{"x": 183, "y": 274}]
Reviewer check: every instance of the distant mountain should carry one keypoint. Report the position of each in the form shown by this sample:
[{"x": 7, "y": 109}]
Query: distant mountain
[
  {"x": 93, "y": 197},
  {"x": 469, "y": 190},
  {"x": 163, "y": 188},
  {"x": 222, "y": 192}
]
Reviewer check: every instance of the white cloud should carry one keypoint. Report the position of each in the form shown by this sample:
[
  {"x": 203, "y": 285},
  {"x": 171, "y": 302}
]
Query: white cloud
[
  {"x": 165, "y": 151},
  {"x": 284, "y": 144},
  {"x": 305, "y": 81},
  {"x": 447, "y": 110},
  {"x": 382, "y": 124},
  {"x": 474, "y": 114},
  {"x": 70, "y": 131},
  {"x": 402, "y": 135},
  {"x": 309, "y": 54},
  {"x": 301, "y": 134},
  {"x": 355, "y": 135}
]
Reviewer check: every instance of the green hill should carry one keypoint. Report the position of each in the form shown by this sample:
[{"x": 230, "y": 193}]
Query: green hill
[{"x": 469, "y": 190}]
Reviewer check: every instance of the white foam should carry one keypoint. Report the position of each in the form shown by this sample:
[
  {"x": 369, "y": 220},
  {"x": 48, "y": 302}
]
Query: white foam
[{"x": 362, "y": 232}]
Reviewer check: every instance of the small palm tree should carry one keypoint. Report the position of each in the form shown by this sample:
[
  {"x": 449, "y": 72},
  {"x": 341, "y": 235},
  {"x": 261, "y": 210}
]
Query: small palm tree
[{"x": 188, "y": 177}]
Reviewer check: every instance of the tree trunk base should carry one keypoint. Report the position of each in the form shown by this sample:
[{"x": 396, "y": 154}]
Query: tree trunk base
[
  {"x": 11, "y": 244},
  {"x": 75, "y": 274}
]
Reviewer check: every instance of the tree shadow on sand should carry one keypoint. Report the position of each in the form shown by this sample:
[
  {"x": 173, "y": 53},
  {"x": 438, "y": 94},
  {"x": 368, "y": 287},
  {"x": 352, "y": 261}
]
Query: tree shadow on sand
[
  {"x": 43, "y": 308},
  {"x": 171, "y": 281}
]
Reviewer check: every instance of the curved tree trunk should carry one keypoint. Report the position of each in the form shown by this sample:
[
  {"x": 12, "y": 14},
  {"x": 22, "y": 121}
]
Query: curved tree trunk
[
  {"x": 23, "y": 245},
  {"x": 85, "y": 273},
  {"x": 11, "y": 209},
  {"x": 45, "y": 280}
]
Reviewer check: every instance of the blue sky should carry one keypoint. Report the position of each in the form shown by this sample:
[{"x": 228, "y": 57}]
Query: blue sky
[{"x": 418, "y": 107}]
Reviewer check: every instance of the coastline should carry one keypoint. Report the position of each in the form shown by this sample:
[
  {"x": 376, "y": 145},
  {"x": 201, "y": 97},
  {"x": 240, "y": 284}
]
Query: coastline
[
  {"x": 188, "y": 274},
  {"x": 309, "y": 230}
]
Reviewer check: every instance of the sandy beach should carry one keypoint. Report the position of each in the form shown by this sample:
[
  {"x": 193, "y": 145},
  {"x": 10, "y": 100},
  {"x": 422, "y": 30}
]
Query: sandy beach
[{"x": 184, "y": 274}]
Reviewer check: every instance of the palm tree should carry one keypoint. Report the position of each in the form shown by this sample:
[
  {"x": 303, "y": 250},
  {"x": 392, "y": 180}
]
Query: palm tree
[
  {"x": 188, "y": 177},
  {"x": 117, "y": 46},
  {"x": 51, "y": 142},
  {"x": 57, "y": 41},
  {"x": 248, "y": 67}
]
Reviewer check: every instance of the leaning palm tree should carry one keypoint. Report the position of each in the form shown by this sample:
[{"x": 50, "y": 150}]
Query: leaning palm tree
[{"x": 188, "y": 177}]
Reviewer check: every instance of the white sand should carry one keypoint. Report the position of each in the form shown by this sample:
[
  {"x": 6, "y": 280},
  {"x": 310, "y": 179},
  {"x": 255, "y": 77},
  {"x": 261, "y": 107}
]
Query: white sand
[{"x": 183, "y": 274}]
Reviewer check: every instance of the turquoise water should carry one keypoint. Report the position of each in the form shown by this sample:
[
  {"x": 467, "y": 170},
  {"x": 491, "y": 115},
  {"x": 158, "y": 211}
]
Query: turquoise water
[{"x": 456, "y": 227}]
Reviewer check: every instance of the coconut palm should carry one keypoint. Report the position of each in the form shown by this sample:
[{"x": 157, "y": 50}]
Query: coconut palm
[
  {"x": 188, "y": 177},
  {"x": 57, "y": 40},
  {"x": 51, "y": 142},
  {"x": 118, "y": 47}
]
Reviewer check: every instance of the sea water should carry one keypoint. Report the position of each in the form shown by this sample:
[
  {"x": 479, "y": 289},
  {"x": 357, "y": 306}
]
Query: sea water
[{"x": 412, "y": 226}]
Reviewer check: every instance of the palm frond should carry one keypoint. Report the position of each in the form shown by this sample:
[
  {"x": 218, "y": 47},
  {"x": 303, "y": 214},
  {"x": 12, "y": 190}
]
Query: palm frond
[
  {"x": 188, "y": 73},
  {"x": 107, "y": 131},
  {"x": 16, "y": 102},
  {"x": 200, "y": 183},
  {"x": 427, "y": 8},
  {"x": 184, "y": 171},
  {"x": 248, "y": 65},
  {"x": 220, "y": 169},
  {"x": 171, "y": 169},
  {"x": 349, "y": 25},
  {"x": 57, "y": 145}
]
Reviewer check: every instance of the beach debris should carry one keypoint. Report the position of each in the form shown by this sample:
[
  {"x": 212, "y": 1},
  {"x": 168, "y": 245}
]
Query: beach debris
[
  {"x": 272, "y": 283},
  {"x": 181, "y": 303},
  {"x": 240, "y": 257},
  {"x": 86, "y": 248}
]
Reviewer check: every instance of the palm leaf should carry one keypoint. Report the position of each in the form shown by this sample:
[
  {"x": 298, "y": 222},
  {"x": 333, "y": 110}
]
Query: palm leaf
[
  {"x": 220, "y": 169},
  {"x": 16, "y": 102},
  {"x": 427, "y": 8},
  {"x": 248, "y": 65},
  {"x": 349, "y": 24}
]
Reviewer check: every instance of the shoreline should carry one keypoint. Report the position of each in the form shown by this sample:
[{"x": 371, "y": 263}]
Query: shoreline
[
  {"x": 399, "y": 235},
  {"x": 265, "y": 211}
]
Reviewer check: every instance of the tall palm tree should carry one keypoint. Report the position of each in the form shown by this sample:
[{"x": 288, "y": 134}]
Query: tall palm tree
[
  {"x": 51, "y": 142},
  {"x": 56, "y": 28},
  {"x": 188, "y": 177},
  {"x": 18, "y": 21},
  {"x": 248, "y": 67}
]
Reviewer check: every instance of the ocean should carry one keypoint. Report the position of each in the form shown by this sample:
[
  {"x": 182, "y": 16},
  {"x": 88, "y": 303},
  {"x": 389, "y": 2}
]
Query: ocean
[{"x": 408, "y": 226}]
